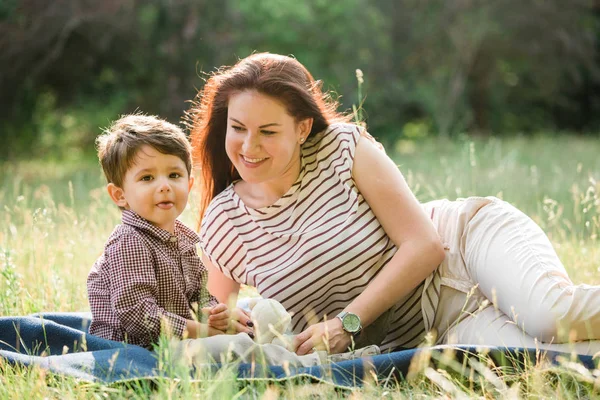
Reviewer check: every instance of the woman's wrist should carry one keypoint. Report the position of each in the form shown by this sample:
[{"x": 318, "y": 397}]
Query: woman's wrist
[
  {"x": 345, "y": 337},
  {"x": 351, "y": 322}
]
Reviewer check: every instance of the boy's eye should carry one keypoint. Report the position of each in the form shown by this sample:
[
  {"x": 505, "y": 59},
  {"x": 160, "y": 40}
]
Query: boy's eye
[
  {"x": 175, "y": 175},
  {"x": 146, "y": 178}
]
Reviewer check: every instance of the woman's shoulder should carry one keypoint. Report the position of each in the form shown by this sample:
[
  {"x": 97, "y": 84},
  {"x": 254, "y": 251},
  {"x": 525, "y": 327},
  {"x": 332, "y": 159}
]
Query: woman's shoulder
[
  {"x": 344, "y": 130},
  {"x": 333, "y": 135},
  {"x": 350, "y": 133},
  {"x": 337, "y": 140}
]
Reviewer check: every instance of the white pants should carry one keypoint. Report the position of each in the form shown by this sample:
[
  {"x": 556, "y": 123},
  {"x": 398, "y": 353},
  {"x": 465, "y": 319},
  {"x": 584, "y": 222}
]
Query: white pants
[
  {"x": 239, "y": 347},
  {"x": 503, "y": 284}
]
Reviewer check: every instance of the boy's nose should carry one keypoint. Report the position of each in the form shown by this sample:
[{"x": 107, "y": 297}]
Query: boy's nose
[{"x": 165, "y": 187}]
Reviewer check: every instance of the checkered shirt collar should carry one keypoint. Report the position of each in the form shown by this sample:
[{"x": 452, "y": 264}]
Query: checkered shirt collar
[{"x": 184, "y": 235}]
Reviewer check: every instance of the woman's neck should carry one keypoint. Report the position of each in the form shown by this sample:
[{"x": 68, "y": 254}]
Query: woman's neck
[{"x": 264, "y": 194}]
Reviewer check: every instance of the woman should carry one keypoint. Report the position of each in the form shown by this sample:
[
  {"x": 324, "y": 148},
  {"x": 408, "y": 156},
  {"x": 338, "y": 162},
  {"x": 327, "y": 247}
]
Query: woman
[{"x": 308, "y": 209}]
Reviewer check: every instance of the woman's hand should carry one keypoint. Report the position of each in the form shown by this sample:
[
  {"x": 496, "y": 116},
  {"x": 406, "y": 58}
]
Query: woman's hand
[
  {"x": 241, "y": 322},
  {"x": 328, "y": 335}
]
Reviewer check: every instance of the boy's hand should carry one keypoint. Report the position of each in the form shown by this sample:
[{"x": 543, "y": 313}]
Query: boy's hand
[
  {"x": 218, "y": 317},
  {"x": 195, "y": 329},
  {"x": 212, "y": 331}
]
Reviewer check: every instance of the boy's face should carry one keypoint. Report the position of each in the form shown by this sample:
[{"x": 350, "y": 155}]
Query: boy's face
[{"x": 156, "y": 187}]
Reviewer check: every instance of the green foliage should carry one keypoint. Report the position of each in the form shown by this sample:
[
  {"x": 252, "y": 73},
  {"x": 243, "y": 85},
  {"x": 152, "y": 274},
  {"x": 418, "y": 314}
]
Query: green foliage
[
  {"x": 8, "y": 9},
  {"x": 65, "y": 133},
  {"x": 500, "y": 67}
]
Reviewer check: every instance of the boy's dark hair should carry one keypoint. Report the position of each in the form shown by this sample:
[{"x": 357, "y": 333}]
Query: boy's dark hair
[{"x": 118, "y": 144}]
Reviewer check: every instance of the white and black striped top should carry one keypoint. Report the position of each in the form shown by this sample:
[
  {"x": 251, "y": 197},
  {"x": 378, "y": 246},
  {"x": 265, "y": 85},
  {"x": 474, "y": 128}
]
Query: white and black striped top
[{"x": 318, "y": 246}]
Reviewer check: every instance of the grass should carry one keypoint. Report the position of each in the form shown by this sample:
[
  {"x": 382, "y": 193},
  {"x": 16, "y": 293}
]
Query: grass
[{"x": 54, "y": 219}]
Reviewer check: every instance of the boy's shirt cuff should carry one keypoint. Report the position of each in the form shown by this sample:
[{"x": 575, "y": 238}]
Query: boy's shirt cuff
[{"x": 176, "y": 324}]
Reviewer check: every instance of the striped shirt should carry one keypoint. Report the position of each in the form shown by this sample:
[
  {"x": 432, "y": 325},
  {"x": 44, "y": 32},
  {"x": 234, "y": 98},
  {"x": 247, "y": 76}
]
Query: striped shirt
[{"x": 318, "y": 246}]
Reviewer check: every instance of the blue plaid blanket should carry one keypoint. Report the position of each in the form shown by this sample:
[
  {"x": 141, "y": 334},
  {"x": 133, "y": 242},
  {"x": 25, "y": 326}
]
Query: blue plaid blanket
[{"x": 60, "y": 343}]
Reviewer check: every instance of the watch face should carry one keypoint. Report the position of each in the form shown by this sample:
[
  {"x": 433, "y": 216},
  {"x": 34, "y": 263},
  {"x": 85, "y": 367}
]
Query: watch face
[{"x": 351, "y": 322}]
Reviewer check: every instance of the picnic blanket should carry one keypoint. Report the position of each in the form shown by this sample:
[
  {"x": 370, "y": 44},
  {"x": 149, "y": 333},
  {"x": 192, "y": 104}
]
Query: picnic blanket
[{"x": 60, "y": 343}]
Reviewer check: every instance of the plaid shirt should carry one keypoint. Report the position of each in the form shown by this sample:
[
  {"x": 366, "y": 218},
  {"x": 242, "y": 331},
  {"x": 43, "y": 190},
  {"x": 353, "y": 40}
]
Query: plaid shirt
[{"x": 146, "y": 276}]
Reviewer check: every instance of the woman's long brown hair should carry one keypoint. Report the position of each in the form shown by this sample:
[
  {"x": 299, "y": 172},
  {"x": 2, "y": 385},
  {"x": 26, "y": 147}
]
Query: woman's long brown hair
[{"x": 281, "y": 77}]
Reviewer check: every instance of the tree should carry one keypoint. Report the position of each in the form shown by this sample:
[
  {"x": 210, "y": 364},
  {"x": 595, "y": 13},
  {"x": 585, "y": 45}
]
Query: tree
[{"x": 461, "y": 59}]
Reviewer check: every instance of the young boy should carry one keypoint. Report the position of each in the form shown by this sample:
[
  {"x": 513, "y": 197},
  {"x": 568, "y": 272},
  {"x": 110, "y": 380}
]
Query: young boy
[{"x": 149, "y": 279}]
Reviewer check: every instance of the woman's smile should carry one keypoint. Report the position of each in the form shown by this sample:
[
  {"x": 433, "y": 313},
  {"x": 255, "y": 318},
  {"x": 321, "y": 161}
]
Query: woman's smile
[{"x": 253, "y": 162}]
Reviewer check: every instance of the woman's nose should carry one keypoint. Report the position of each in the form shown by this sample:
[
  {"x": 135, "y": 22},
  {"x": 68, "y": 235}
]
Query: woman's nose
[{"x": 250, "y": 142}]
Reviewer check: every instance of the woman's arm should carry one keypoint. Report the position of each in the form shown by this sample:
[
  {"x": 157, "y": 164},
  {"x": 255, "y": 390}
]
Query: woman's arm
[
  {"x": 419, "y": 248},
  {"x": 220, "y": 286},
  {"x": 226, "y": 291}
]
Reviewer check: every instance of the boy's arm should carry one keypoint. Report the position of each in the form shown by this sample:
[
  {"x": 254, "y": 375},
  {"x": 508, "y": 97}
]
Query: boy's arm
[
  {"x": 133, "y": 290},
  {"x": 204, "y": 297},
  {"x": 196, "y": 329}
]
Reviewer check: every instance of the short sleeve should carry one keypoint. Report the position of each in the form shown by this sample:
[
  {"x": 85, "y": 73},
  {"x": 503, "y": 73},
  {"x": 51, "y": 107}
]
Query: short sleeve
[
  {"x": 339, "y": 140},
  {"x": 219, "y": 241}
]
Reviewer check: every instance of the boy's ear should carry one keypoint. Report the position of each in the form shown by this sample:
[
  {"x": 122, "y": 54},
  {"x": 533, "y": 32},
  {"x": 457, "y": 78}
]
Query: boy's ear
[
  {"x": 117, "y": 195},
  {"x": 191, "y": 183}
]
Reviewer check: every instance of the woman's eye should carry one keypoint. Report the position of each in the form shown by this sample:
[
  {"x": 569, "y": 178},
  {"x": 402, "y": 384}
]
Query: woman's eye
[
  {"x": 175, "y": 175},
  {"x": 146, "y": 178},
  {"x": 237, "y": 128},
  {"x": 268, "y": 132}
]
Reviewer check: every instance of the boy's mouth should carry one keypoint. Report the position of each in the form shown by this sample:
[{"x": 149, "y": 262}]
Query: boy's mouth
[{"x": 165, "y": 205}]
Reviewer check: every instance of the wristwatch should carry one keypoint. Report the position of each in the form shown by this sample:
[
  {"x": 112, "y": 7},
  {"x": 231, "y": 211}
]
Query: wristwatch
[{"x": 350, "y": 322}]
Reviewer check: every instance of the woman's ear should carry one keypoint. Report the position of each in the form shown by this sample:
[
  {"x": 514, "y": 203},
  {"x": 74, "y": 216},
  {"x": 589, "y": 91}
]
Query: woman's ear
[
  {"x": 304, "y": 128},
  {"x": 117, "y": 195}
]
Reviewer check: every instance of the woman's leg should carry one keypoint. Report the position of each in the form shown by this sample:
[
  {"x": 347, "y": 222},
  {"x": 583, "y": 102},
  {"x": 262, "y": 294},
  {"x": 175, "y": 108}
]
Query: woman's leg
[
  {"x": 516, "y": 268},
  {"x": 492, "y": 327}
]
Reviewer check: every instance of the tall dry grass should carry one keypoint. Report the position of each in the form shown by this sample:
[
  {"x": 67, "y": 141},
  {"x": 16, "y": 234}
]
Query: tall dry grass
[{"x": 55, "y": 218}]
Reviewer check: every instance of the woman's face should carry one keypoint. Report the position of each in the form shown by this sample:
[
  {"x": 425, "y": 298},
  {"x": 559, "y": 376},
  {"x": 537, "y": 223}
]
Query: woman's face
[{"x": 263, "y": 140}]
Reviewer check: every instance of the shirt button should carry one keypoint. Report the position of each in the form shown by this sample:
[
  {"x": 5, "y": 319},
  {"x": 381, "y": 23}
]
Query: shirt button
[{"x": 173, "y": 239}]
